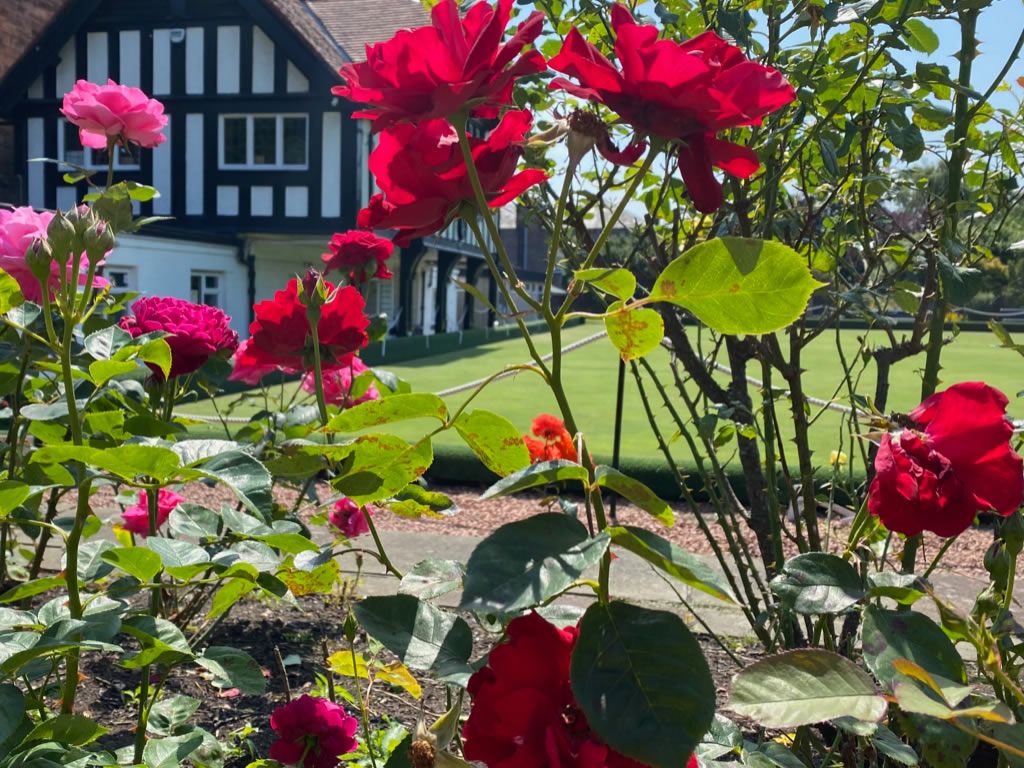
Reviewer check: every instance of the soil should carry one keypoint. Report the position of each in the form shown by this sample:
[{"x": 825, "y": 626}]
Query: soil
[{"x": 259, "y": 629}]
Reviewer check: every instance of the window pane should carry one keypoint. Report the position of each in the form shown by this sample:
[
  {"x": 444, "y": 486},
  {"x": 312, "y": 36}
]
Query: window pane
[
  {"x": 234, "y": 141},
  {"x": 211, "y": 281},
  {"x": 211, "y": 300},
  {"x": 73, "y": 151},
  {"x": 264, "y": 140},
  {"x": 125, "y": 158},
  {"x": 295, "y": 141}
]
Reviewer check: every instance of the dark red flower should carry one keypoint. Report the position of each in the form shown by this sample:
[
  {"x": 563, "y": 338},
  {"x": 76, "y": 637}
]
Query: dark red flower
[
  {"x": 195, "y": 332},
  {"x": 438, "y": 70},
  {"x": 359, "y": 254},
  {"x": 685, "y": 92},
  {"x": 312, "y": 732},
  {"x": 555, "y": 441},
  {"x": 524, "y": 713},
  {"x": 423, "y": 178},
  {"x": 281, "y": 335},
  {"x": 954, "y": 462}
]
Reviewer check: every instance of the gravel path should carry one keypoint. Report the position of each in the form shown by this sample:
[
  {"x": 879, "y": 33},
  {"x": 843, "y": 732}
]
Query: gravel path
[{"x": 478, "y": 517}]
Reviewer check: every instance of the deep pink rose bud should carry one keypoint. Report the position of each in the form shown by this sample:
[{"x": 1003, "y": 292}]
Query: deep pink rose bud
[
  {"x": 114, "y": 112},
  {"x": 349, "y": 518},
  {"x": 312, "y": 732},
  {"x": 136, "y": 518},
  {"x": 196, "y": 332}
]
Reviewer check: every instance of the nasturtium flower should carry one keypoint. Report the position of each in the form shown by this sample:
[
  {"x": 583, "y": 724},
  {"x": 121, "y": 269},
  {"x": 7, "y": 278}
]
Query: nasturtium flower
[
  {"x": 312, "y": 733},
  {"x": 195, "y": 332},
  {"x": 360, "y": 255},
  {"x": 281, "y": 335},
  {"x": 524, "y": 713},
  {"x": 952, "y": 461},
  {"x": 114, "y": 112},
  {"x": 424, "y": 180},
  {"x": 457, "y": 63},
  {"x": 136, "y": 517},
  {"x": 685, "y": 93},
  {"x": 338, "y": 383},
  {"x": 349, "y": 518}
]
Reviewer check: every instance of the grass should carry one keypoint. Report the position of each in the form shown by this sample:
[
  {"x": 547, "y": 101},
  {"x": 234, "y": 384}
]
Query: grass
[{"x": 590, "y": 373}]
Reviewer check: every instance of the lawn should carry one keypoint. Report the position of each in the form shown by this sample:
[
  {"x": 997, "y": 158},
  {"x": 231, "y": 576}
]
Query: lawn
[{"x": 591, "y": 372}]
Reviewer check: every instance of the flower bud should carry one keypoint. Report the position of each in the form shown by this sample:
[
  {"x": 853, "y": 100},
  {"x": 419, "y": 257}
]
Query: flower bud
[
  {"x": 81, "y": 218},
  {"x": 1012, "y": 533},
  {"x": 98, "y": 240},
  {"x": 39, "y": 256},
  {"x": 586, "y": 130},
  {"x": 62, "y": 237}
]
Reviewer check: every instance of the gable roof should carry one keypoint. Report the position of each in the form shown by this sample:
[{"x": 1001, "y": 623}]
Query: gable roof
[{"x": 354, "y": 24}]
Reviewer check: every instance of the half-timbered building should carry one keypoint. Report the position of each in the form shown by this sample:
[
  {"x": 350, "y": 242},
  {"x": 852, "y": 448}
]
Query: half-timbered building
[{"x": 261, "y": 164}]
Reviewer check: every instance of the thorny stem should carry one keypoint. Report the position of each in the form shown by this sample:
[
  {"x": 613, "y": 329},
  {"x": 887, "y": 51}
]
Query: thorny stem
[{"x": 362, "y": 707}]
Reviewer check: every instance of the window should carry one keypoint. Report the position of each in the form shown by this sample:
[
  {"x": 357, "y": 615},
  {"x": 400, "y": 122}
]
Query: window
[
  {"x": 70, "y": 150},
  {"x": 264, "y": 142},
  {"x": 122, "y": 279},
  {"x": 206, "y": 288}
]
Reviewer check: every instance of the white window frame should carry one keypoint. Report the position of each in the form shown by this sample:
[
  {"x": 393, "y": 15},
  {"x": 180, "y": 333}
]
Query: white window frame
[
  {"x": 203, "y": 274},
  {"x": 87, "y": 154},
  {"x": 131, "y": 278},
  {"x": 249, "y": 165}
]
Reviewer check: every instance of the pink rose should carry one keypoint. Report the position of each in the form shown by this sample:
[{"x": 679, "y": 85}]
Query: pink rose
[
  {"x": 19, "y": 229},
  {"x": 361, "y": 255},
  {"x": 112, "y": 111},
  {"x": 196, "y": 332},
  {"x": 312, "y": 730},
  {"x": 136, "y": 518},
  {"x": 349, "y": 518},
  {"x": 338, "y": 383}
]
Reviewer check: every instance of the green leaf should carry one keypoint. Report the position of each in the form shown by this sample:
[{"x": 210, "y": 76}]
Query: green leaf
[
  {"x": 140, "y": 562},
  {"x": 890, "y": 635},
  {"x": 32, "y": 588},
  {"x": 388, "y": 410},
  {"x": 124, "y": 461},
  {"x": 228, "y": 595},
  {"x": 383, "y": 465},
  {"x": 12, "y": 494},
  {"x": 676, "y": 562},
  {"x": 904, "y": 588},
  {"x": 158, "y": 353},
  {"x": 67, "y": 729},
  {"x": 619, "y": 282},
  {"x": 244, "y": 475},
  {"x": 415, "y": 501},
  {"x": 495, "y": 441},
  {"x": 10, "y": 293},
  {"x": 233, "y": 668},
  {"x": 636, "y": 492},
  {"x": 172, "y": 751},
  {"x": 541, "y": 473},
  {"x": 104, "y": 343},
  {"x": 634, "y": 332},
  {"x": 524, "y": 563},
  {"x": 816, "y": 583},
  {"x": 739, "y": 285},
  {"x": 432, "y": 578},
  {"x": 103, "y": 371},
  {"x": 12, "y": 710},
  {"x": 641, "y": 680},
  {"x": 170, "y": 714},
  {"x": 803, "y": 687},
  {"x": 421, "y": 635},
  {"x": 920, "y": 36},
  {"x": 176, "y": 554}
]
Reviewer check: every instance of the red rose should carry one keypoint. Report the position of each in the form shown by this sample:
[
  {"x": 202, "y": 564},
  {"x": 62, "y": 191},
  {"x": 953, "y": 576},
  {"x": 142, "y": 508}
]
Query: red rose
[
  {"x": 685, "y": 92},
  {"x": 524, "y": 713},
  {"x": 436, "y": 71},
  {"x": 196, "y": 332},
  {"x": 555, "y": 441},
  {"x": 349, "y": 518},
  {"x": 136, "y": 517},
  {"x": 338, "y": 383},
  {"x": 423, "y": 179},
  {"x": 281, "y": 335},
  {"x": 248, "y": 367},
  {"x": 312, "y": 732},
  {"x": 361, "y": 255},
  {"x": 954, "y": 462}
]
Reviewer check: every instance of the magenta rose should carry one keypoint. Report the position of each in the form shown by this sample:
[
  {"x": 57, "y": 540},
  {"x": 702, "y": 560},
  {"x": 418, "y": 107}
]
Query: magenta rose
[
  {"x": 114, "y": 112},
  {"x": 349, "y": 518},
  {"x": 20, "y": 228},
  {"x": 195, "y": 332},
  {"x": 312, "y": 732},
  {"x": 136, "y": 518},
  {"x": 338, "y": 383}
]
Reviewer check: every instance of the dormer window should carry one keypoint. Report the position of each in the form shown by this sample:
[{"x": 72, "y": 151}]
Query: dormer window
[{"x": 264, "y": 142}]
